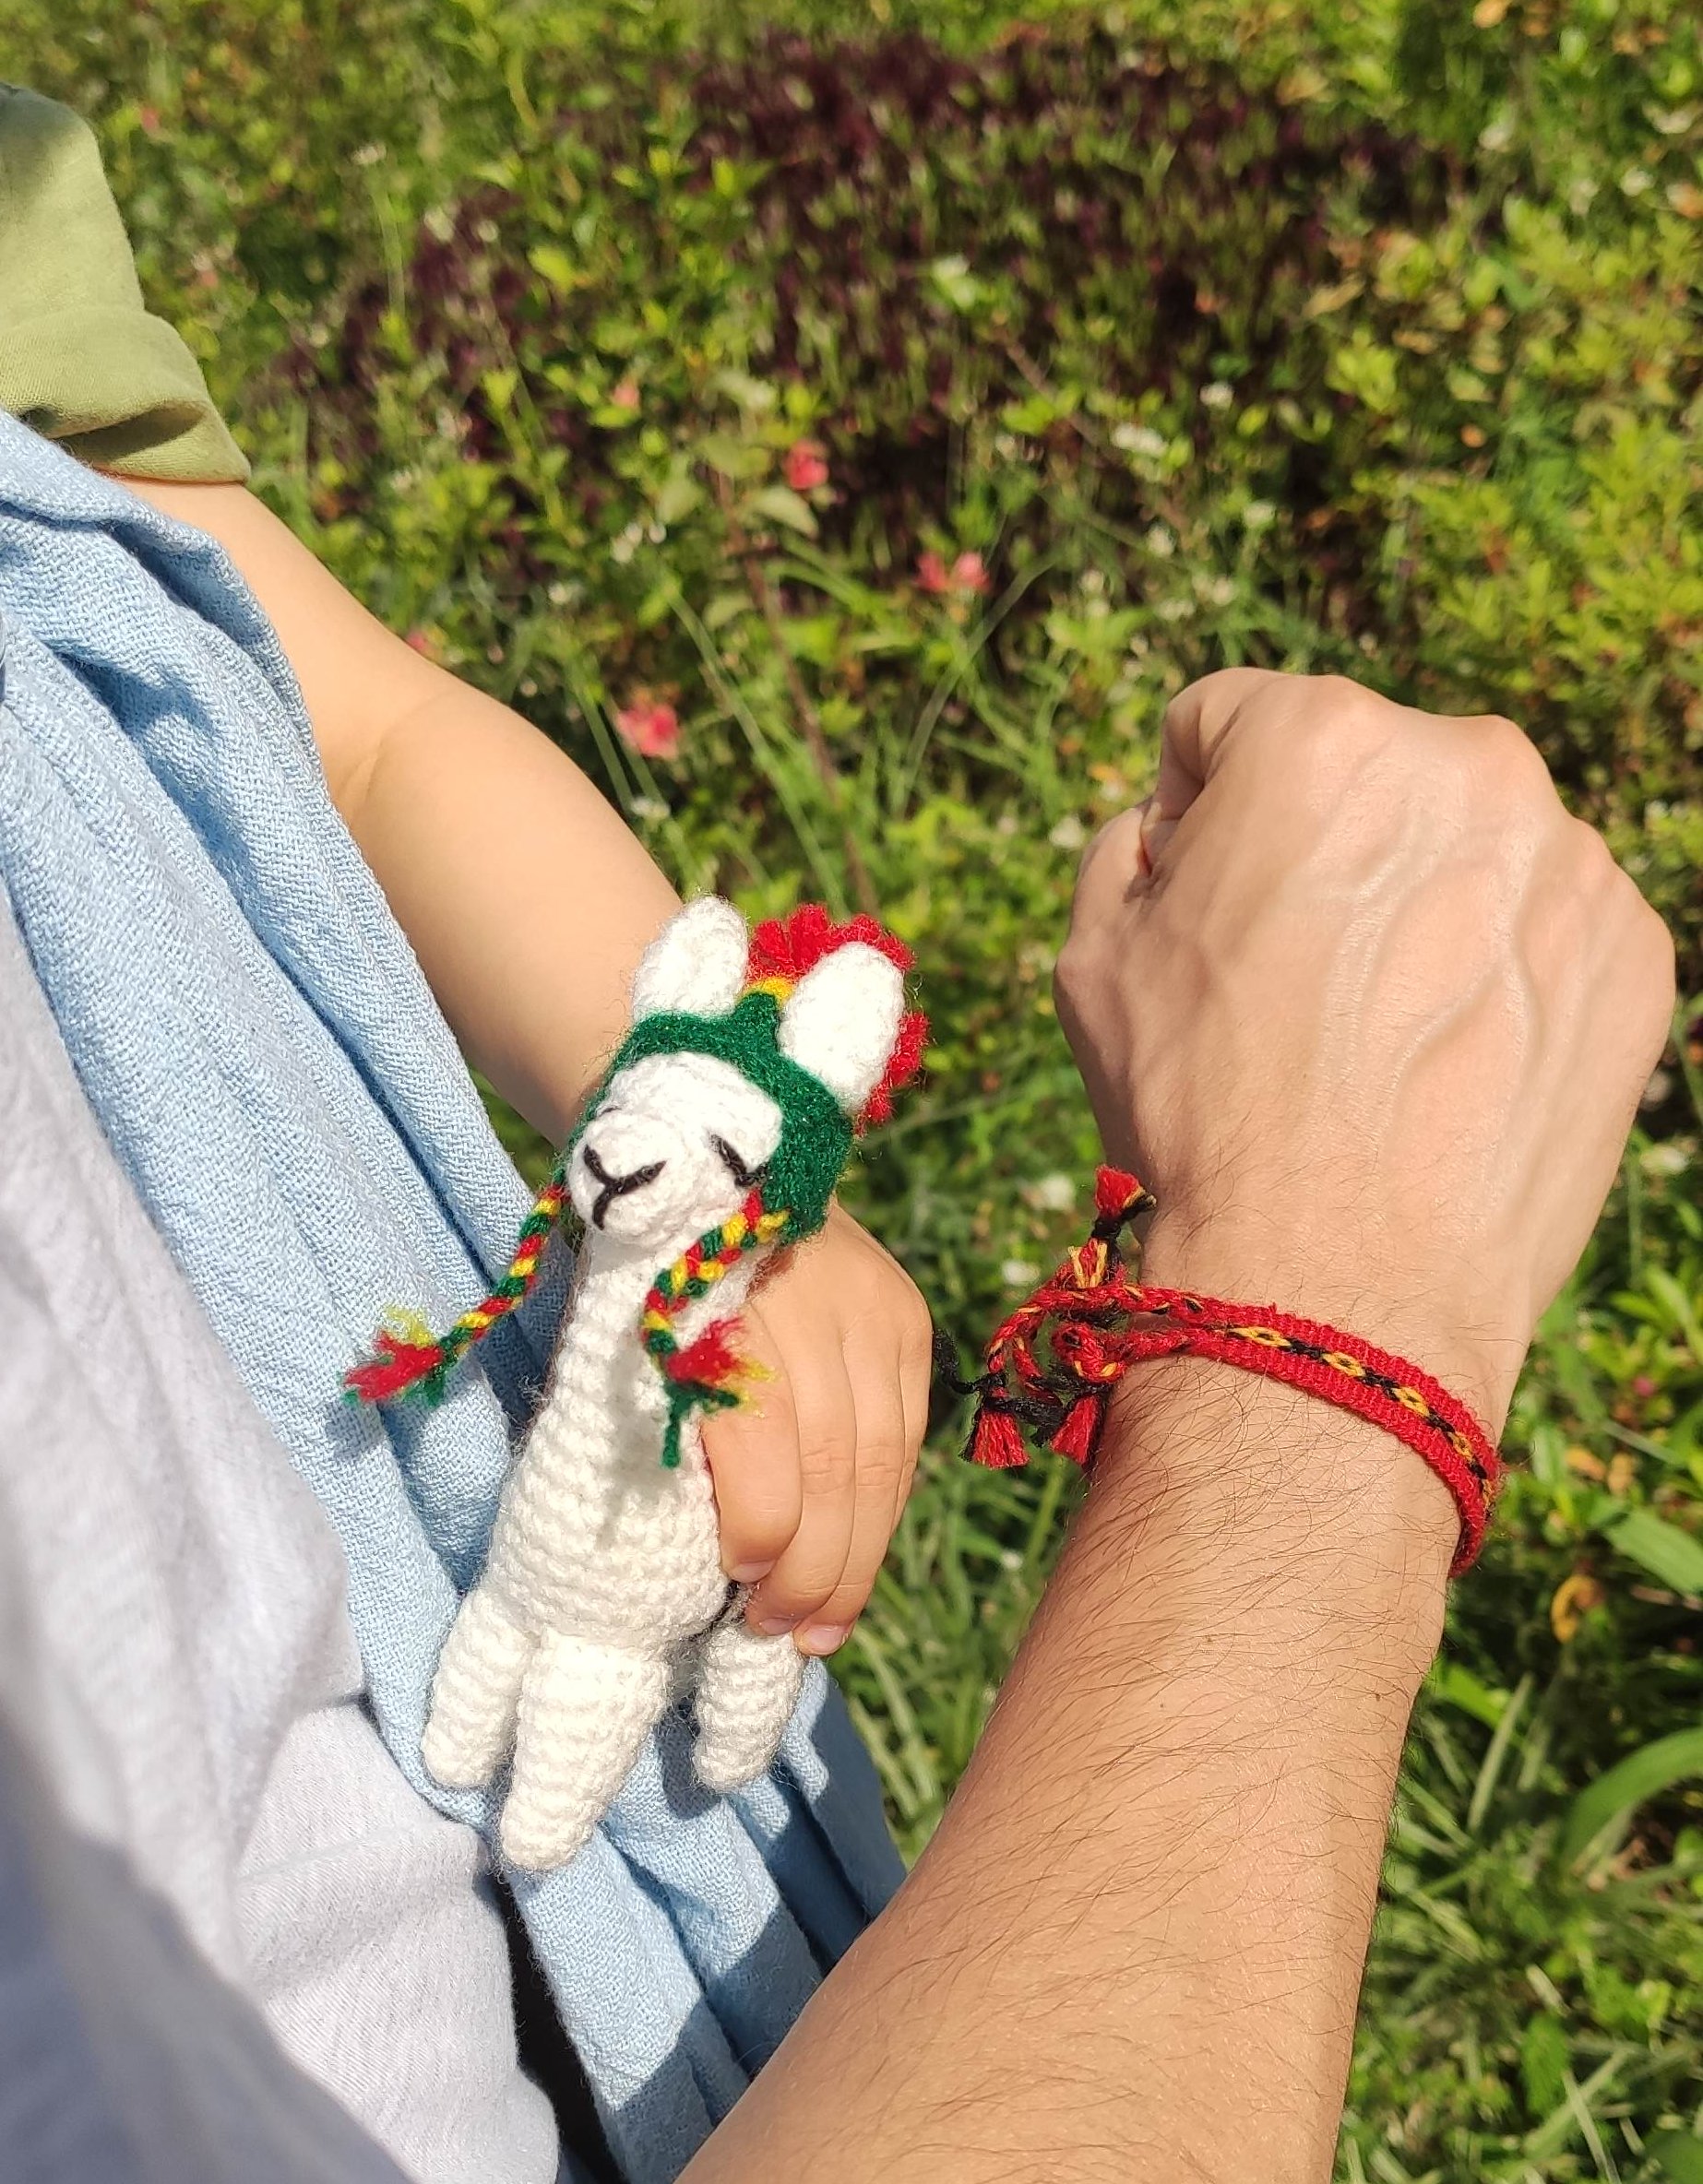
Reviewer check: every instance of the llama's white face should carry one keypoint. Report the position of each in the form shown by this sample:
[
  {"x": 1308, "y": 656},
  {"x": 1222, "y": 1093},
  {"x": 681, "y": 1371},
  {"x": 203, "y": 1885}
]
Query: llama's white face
[
  {"x": 677, "y": 1143},
  {"x": 679, "y": 1140}
]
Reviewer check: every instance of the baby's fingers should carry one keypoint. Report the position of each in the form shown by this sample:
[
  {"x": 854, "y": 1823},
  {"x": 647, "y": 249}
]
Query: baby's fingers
[
  {"x": 825, "y": 1455},
  {"x": 753, "y": 1455},
  {"x": 885, "y": 1459}
]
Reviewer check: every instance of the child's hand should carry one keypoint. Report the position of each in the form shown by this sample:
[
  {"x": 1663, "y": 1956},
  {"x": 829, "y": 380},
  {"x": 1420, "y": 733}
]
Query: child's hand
[{"x": 812, "y": 1475}]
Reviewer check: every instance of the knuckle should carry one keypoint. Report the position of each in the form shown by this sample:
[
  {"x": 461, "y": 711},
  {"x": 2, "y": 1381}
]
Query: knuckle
[
  {"x": 845, "y": 1603},
  {"x": 916, "y": 1322},
  {"x": 1659, "y": 959},
  {"x": 798, "y": 1588},
  {"x": 1324, "y": 730},
  {"x": 826, "y": 1460},
  {"x": 882, "y": 1460},
  {"x": 1596, "y": 876},
  {"x": 1343, "y": 703},
  {"x": 1077, "y": 977},
  {"x": 1515, "y": 760},
  {"x": 1333, "y": 710},
  {"x": 750, "y": 1535}
]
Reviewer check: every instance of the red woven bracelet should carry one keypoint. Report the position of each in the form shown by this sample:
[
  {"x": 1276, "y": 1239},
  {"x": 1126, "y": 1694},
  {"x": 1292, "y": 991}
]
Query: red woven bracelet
[{"x": 1095, "y": 1323}]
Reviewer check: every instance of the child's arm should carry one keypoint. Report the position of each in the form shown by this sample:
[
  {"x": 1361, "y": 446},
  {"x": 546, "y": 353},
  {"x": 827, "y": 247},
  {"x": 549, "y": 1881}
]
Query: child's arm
[
  {"x": 527, "y": 901},
  {"x": 528, "y": 904}
]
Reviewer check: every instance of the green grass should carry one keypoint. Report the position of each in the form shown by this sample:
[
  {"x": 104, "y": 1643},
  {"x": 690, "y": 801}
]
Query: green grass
[{"x": 1351, "y": 335}]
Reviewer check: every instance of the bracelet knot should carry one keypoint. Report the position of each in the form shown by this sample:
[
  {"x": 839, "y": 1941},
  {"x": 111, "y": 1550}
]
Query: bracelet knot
[{"x": 1052, "y": 1366}]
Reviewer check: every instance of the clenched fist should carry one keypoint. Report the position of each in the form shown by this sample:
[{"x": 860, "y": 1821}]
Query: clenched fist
[{"x": 1369, "y": 1012}]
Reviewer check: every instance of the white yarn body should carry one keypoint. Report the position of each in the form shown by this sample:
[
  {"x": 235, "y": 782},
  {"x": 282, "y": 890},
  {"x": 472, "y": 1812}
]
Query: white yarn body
[
  {"x": 604, "y": 1580},
  {"x": 595, "y": 1536},
  {"x": 605, "y": 1569}
]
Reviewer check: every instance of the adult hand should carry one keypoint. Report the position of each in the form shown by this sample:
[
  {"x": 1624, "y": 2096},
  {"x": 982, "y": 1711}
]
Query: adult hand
[{"x": 1369, "y": 1012}]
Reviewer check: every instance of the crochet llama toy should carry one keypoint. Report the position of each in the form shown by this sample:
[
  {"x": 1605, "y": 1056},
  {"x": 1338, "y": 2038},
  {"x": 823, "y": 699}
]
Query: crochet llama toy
[{"x": 717, "y": 1137}]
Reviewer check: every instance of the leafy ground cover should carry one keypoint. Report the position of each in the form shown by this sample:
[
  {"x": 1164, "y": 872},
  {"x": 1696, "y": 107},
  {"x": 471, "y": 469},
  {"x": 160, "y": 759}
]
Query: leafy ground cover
[{"x": 844, "y": 434}]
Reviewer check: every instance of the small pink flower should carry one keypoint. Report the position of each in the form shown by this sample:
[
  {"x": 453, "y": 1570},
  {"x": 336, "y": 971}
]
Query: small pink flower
[
  {"x": 1643, "y": 1387},
  {"x": 148, "y": 116},
  {"x": 967, "y": 575},
  {"x": 648, "y": 727},
  {"x": 626, "y": 396},
  {"x": 805, "y": 465},
  {"x": 423, "y": 640}
]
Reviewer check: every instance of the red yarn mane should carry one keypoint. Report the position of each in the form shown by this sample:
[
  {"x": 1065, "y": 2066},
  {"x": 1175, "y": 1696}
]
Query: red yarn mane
[{"x": 788, "y": 947}]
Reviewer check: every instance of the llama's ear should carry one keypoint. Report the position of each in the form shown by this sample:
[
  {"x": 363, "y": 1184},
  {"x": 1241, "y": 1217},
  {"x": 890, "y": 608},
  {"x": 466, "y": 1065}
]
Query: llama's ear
[
  {"x": 697, "y": 963},
  {"x": 841, "y": 1020}
]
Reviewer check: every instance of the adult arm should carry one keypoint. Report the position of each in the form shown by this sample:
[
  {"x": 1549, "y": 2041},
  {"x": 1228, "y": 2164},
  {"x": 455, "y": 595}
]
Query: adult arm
[{"x": 1371, "y": 1014}]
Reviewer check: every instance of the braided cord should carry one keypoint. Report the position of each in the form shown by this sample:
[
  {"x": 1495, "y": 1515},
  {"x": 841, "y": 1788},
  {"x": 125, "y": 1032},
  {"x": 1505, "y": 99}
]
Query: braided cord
[
  {"x": 707, "y": 1373},
  {"x": 407, "y": 1358},
  {"x": 1095, "y": 1323}
]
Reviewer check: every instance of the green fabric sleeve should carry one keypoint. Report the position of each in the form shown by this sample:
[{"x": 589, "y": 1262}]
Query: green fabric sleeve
[{"x": 81, "y": 358}]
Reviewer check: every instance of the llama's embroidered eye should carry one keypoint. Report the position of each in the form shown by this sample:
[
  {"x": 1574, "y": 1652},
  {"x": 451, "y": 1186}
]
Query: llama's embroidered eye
[{"x": 746, "y": 1178}]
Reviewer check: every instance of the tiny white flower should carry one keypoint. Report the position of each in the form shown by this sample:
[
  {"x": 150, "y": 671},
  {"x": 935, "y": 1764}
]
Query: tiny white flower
[
  {"x": 1069, "y": 833},
  {"x": 1162, "y": 541},
  {"x": 1218, "y": 395},
  {"x": 1173, "y": 609},
  {"x": 1218, "y": 591},
  {"x": 1496, "y": 136},
  {"x": 1636, "y": 180},
  {"x": 1660, "y": 1084},
  {"x": 1138, "y": 439},
  {"x": 1053, "y": 1193},
  {"x": 1260, "y": 516},
  {"x": 648, "y": 808},
  {"x": 1671, "y": 1158},
  {"x": 1020, "y": 1274}
]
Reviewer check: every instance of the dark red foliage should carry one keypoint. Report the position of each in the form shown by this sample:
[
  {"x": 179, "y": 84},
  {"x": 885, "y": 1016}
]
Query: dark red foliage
[{"x": 1158, "y": 225}]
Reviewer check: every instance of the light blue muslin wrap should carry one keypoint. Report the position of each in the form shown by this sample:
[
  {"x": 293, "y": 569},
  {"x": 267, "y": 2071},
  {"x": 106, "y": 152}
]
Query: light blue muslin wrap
[{"x": 257, "y": 1038}]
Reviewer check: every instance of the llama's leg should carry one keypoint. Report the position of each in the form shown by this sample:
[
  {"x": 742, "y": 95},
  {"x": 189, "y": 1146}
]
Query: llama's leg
[
  {"x": 585, "y": 1712},
  {"x": 747, "y": 1689},
  {"x": 474, "y": 1694}
]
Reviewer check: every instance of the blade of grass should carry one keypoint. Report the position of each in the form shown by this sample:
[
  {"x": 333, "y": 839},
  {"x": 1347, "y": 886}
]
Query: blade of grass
[{"x": 1495, "y": 1754}]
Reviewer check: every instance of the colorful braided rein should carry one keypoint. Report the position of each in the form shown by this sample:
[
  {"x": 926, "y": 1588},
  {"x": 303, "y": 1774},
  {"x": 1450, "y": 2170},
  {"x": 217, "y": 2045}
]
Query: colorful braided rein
[
  {"x": 1052, "y": 1365},
  {"x": 705, "y": 1374},
  {"x": 408, "y": 1358}
]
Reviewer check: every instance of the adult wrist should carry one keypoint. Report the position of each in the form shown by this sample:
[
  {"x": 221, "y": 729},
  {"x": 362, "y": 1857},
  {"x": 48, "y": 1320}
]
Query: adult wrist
[
  {"x": 1424, "y": 1317},
  {"x": 1278, "y": 1512}
]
